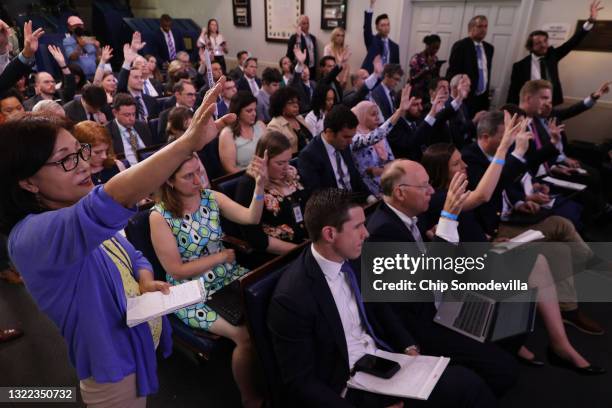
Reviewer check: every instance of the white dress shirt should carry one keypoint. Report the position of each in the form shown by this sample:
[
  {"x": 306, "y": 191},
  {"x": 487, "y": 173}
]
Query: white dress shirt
[
  {"x": 130, "y": 155},
  {"x": 446, "y": 229},
  {"x": 358, "y": 341},
  {"x": 253, "y": 85},
  {"x": 331, "y": 153}
]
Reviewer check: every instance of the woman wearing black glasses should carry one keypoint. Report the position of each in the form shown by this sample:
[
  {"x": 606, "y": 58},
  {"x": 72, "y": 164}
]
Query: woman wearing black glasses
[{"x": 83, "y": 270}]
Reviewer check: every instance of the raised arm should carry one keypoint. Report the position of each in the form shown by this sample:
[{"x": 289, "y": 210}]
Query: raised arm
[
  {"x": 486, "y": 186},
  {"x": 105, "y": 56},
  {"x": 137, "y": 182}
]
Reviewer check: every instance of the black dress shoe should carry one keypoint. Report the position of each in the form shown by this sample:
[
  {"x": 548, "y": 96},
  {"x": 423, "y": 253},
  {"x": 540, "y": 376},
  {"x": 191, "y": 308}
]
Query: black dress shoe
[
  {"x": 555, "y": 360},
  {"x": 531, "y": 362}
]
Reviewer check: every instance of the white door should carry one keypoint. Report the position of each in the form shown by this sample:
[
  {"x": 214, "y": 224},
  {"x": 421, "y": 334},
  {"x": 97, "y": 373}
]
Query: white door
[{"x": 449, "y": 20}]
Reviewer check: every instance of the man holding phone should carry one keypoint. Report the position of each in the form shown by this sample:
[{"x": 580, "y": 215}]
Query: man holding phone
[{"x": 320, "y": 327}]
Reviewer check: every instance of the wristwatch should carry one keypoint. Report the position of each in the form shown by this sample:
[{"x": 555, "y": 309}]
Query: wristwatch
[{"x": 410, "y": 348}]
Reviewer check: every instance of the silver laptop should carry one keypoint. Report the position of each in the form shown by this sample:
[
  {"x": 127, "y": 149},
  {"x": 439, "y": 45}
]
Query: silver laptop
[{"x": 483, "y": 319}]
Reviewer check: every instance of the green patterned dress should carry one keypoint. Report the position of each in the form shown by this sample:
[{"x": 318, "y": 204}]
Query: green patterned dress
[{"x": 199, "y": 234}]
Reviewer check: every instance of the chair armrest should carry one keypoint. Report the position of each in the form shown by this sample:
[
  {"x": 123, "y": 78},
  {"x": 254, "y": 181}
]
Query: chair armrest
[{"x": 237, "y": 244}]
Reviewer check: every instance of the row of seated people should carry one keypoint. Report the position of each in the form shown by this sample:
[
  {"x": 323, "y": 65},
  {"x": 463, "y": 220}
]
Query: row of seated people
[{"x": 186, "y": 223}]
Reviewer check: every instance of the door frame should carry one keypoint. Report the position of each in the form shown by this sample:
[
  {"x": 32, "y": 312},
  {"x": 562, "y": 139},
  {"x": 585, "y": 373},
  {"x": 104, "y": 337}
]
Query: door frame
[{"x": 520, "y": 32}]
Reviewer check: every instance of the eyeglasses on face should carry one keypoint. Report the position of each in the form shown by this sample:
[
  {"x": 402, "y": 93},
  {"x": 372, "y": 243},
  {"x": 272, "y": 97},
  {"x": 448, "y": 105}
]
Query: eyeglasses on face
[
  {"x": 71, "y": 161},
  {"x": 425, "y": 186}
]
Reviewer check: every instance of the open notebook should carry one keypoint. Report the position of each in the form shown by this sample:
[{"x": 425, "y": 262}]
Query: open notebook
[
  {"x": 154, "y": 304},
  {"x": 416, "y": 378}
]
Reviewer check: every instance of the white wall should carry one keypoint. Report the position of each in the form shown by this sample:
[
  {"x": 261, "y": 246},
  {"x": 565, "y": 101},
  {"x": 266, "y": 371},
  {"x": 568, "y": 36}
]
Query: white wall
[
  {"x": 253, "y": 38},
  {"x": 581, "y": 72}
]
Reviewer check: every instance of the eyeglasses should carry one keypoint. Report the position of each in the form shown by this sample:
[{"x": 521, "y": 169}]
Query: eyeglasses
[
  {"x": 426, "y": 186},
  {"x": 71, "y": 161}
]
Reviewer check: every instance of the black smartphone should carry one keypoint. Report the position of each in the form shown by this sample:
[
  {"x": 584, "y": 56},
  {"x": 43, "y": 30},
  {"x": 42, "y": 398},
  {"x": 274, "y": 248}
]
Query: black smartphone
[{"x": 377, "y": 366}]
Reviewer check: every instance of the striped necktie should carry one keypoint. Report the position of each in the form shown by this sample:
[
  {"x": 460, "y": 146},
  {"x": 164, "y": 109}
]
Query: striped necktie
[{"x": 171, "y": 47}]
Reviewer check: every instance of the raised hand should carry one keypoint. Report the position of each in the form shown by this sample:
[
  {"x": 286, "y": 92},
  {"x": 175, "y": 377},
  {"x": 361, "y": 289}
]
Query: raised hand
[
  {"x": 372, "y": 3},
  {"x": 438, "y": 104},
  {"x": 30, "y": 39},
  {"x": 129, "y": 55},
  {"x": 603, "y": 89},
  {"x": 595, "y": 8},
  {"x": 258, "y": 169},
  {"x": 5, "y": 32},
  {"x": 406, "y": 101},
  {"x": 203, "y": 128},
  {"x": 521, "y": 142},
  {"x": 457, "y": 194},
  {"x": 464, "y": 87},
  {"x": 512, "y": 125},
  {"x": 555, "y": 130},
  {"x": 300, "y": 55},
  {"x": 137, "y": 43},
  {"x": 378, "y": 65},
  {"x": 107, "y": 54},
  {"x": 57, "y": 54}
]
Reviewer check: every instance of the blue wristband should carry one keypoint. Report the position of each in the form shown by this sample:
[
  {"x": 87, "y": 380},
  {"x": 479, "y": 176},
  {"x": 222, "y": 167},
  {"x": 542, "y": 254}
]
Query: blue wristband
[
  {"x": 448, "y": 215},
  {"x": 259, "y": 197},
  {"x": 501, "y": 162}
]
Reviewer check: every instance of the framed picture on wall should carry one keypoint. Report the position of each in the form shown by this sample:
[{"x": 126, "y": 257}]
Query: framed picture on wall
[
  {"x": 333, "y": 14},
  {"x": 281, "y": 17},
  {"x": 242, "y": 12}
]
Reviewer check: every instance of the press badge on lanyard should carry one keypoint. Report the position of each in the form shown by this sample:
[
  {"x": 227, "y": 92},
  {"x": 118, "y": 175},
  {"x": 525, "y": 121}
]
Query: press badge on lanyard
[{"x": 297, "y": 213}]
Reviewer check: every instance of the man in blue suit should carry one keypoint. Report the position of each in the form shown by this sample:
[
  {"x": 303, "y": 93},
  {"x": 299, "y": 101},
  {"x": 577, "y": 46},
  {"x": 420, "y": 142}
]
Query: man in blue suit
[
  {"x": 384, "y": 94},
  {"x": 379, "y": 44},
  {"x": 167, "y": 42},
  {"x": 320, "y": 327}
]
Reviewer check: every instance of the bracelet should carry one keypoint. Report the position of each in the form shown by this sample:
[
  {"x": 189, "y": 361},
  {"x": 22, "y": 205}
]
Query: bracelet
[
  {"x": 448, "y": 215},
  {"x": 259, "y": 197},
  {"x": 64, "y": 67},
  {"x": 501, "y": 162}
]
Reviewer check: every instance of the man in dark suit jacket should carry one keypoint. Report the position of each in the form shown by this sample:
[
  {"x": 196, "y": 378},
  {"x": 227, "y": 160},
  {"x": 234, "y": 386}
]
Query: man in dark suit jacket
[
  {"x": 128, "y": 134},
  {"x": 385, "y": 95},
  {"x": 148, "y": 108},
  {"x": 327, "y": 162},
  {"x": 317, "y": 302},
  {"x": 406, "y": 194},
  {"x": 379, "y": 44},
  {"x": 44, "y": 87},
  {"x": 249, "y": 81},
  {"x": 477, "y": 157},
  {"x": 474, "y": 57},
  {"x": 166, "y": 42},
  {"x": 91, "y": 105},
  {"x": 306, "y": 42},
  {"x": 543, "y": 60},
  {"x": 185, "y": 94}
]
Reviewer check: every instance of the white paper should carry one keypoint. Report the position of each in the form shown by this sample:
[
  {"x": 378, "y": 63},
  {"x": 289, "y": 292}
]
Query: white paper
[
  {"x": 154, "y": 304},
  {"x": 416, "y": 378},
  {"x": 527, "y": 236},
  {"x": 565, "y": 184}
]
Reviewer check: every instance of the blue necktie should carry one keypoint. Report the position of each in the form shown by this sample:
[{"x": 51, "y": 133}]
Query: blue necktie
[
  {"x": 385, "y": 57},
  {"x": 346, "y": 268},
  {"x": 481, "y": 79}
]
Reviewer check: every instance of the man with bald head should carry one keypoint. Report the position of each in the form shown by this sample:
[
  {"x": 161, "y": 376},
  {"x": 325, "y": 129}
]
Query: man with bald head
[
  {"x": 307, "y": 43},
  {"x": 406, "y": 195},
  {"x": 44, "y": 86}
]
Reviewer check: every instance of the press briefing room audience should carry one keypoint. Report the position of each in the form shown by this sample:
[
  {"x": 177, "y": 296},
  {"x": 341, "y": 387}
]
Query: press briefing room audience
[
  {"x": 282, "y": 221},
  {"x": 237, "y": 142},
  {"x": 305, "y": 153}
]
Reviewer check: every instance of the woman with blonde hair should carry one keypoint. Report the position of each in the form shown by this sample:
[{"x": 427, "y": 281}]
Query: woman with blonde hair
[
  {"x": 102, "y": 163},
  {"x": 336, "y": 48}
]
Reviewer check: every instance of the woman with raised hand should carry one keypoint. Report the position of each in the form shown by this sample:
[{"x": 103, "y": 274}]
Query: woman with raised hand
[{"x": 83, "y": 269}]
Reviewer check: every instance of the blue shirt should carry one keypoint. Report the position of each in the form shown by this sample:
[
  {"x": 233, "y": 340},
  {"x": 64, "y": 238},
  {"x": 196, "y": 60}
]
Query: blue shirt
[
  {"x": 75, "y": 282},
  {"x": 87, "y": 60}
]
